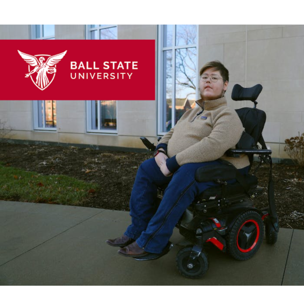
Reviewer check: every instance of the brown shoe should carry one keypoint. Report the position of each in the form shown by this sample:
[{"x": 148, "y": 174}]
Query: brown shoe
[
  {"x": 120, "y": 242},
  {"x": 133, "y": 250}
]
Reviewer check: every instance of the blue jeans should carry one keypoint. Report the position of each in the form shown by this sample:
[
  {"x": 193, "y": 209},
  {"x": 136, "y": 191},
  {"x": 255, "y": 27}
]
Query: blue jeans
[{"x": 152, "y": 225}]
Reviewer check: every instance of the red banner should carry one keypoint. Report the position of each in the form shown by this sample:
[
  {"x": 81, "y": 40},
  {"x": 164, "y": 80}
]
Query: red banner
[{"x": 77, "y": 70}]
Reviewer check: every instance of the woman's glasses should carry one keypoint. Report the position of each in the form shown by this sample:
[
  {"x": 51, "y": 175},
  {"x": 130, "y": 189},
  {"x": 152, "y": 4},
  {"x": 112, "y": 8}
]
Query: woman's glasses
[{"x": 212, "y": 78}]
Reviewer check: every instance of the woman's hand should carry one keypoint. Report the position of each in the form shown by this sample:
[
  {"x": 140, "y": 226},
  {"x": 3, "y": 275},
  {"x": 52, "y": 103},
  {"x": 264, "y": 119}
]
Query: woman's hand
[
  {"x": 161, "y": 158},
  {"x": 161, "y": 162},
  {"x": 164, "y": 169}
]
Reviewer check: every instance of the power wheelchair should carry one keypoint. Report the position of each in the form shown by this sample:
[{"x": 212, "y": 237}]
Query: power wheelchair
[{"x": 225, "y": 215}]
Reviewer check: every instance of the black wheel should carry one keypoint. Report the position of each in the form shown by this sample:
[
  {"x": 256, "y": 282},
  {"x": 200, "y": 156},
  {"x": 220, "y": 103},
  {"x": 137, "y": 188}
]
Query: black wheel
[
  {"x": 245, "y": 236},
  {"x": 189, "y": 268},
  {"x": 271, "y": 233}
]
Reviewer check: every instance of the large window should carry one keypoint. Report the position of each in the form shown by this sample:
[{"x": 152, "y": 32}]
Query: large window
[
  {"x": 44, "y": 110},
  {"x": 45, "y": 114},
  {"x": 177, "y": 73},
  {"x": 101, "y": 31},
  {"x": 101, "y": 114},
  {"x": 42, "y": 31}
]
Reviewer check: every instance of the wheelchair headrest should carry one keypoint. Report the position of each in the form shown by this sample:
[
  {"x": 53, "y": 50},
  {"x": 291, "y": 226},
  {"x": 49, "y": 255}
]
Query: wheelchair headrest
[{"x": 240, "y": 93}]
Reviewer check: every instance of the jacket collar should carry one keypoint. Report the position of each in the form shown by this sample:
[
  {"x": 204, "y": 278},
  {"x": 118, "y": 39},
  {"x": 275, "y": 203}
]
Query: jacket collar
[{"x": 211, "y": 104}]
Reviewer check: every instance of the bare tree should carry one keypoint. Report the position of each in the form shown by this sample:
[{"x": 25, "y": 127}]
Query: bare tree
[
  {"x": 185, "y": 61},
  {"x": 185, "y": 67}
]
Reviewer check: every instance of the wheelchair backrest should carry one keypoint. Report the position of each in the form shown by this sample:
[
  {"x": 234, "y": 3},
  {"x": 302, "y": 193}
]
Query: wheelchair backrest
[{"x": 253, "y": 119}]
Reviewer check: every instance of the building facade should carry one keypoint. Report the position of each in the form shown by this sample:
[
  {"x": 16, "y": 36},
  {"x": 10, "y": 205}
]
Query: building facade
[{"x": 271, "y": 55}]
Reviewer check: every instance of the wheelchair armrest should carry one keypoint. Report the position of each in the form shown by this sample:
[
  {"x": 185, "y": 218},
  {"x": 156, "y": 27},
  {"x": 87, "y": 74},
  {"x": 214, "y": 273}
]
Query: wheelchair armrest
[
  {"x": 215, "y": 172},
  {"x": 237, "y": 152},
  {"x": 150, "y": 146}
]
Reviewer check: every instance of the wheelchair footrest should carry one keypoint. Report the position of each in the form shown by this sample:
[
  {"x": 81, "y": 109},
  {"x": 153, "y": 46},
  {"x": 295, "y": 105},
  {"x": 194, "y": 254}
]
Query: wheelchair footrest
[{"x": 152, "y": 256}]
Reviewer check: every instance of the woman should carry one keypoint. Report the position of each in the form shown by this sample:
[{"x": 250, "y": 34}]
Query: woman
[{"x": 200, "y": 138}]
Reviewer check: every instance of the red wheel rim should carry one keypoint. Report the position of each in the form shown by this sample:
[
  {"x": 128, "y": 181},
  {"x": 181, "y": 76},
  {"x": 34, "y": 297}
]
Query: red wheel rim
[{"x": 255, "y": 241}]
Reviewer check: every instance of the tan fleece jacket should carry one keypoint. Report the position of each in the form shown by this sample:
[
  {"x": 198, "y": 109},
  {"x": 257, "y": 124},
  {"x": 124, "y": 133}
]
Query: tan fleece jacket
[{"x": 204, "y": 134}]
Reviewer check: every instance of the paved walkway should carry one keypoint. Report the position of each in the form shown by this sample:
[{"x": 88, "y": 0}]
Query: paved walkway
[{"x": 43, "y": 244}]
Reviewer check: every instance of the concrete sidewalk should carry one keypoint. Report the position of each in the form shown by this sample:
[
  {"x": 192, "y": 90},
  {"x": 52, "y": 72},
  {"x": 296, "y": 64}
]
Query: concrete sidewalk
[{"x": 43, "y": 244}]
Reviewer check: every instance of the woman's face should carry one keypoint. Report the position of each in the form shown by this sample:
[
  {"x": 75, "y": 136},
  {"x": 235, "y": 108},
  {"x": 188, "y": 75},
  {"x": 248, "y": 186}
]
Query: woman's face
[{"x": 212, "y": 85}]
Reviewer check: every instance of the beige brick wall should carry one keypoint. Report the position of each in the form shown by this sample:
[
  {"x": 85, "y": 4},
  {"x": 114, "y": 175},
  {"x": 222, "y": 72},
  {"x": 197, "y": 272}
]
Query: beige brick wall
[
  {"x": 271, "y": 55},
  {"x": 137, "y": 118},
  {"x": 15, "y": 32}
]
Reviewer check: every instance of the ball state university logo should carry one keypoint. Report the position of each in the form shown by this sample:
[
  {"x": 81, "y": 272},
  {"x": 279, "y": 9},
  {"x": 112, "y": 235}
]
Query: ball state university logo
[{"x": 46, "y": 71}]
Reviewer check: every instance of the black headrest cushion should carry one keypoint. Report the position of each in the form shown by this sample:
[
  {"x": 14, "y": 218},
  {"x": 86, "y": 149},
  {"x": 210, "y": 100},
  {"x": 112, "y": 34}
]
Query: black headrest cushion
[{"x": 240, "y": 93}]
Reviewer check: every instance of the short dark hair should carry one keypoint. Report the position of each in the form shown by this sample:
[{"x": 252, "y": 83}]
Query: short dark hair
[{"x": 217, "y": 65}]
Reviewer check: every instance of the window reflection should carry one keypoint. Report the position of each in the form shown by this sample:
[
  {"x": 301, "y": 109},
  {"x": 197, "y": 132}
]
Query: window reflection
[
  {"x": 108, "y": 114},
  {"x": 186, "y": 35},
  {"x": 44, "y": 31},
  {"x": 48, "y": 30},
  {"x": 185, "y": 78},
  {"x": 168, "y": 88},
  {"x": 179, "y": 72},
  {"x": 47, "y": 114},
  {"x": 103, "y": 115},
  {"x": 94, "y": 35},
  {"x": 168, "y": 35},
  {"x": 102, "y": 32},
  {"x": 108, "y": 33},
  {"x": 94, "y": 115}
]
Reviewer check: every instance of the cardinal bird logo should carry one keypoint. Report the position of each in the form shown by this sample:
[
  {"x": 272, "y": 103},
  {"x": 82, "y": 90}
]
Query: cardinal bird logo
[{"x": 44, "y": 66}]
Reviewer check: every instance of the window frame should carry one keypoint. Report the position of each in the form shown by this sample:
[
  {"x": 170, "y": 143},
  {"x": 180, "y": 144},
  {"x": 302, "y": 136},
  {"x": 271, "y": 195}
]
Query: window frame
[
  {"x": 89, "y": 119},
  {"x": 35, "y": 102},
  {"x": 161, "y": 84},
  {"x": 36, "y": 116},
  {"x": 99, "y": 27},
  {"x": 89, "y": 102}
]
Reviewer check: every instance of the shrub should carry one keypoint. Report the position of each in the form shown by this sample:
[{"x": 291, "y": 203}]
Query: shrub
[
  {"x": 4, "y": 130},
  {"x": 295, "y": 149}
]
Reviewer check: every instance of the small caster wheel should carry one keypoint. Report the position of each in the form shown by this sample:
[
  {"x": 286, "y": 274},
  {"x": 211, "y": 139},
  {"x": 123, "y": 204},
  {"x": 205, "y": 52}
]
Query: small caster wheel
[
  {"x": 189, "y": 267},
  {"x": 245, "y": 236},
  {"x": 271, "y": 233}
]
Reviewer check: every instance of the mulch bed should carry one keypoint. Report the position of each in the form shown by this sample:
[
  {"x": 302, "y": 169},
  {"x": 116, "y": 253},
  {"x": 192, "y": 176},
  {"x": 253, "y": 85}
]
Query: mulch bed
[{"x": 115, "y": 173}]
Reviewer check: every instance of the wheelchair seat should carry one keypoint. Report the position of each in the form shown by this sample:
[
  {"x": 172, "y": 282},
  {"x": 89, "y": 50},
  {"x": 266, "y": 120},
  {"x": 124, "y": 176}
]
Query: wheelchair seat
[{"x": 214, "y": 193}]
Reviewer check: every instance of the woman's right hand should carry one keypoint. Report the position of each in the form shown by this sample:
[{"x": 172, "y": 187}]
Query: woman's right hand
[{"x": 161, "y": 159}]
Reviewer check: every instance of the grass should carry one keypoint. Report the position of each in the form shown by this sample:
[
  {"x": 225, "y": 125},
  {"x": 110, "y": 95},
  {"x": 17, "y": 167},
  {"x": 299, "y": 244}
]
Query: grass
[{"x": 19, "y": 185}]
